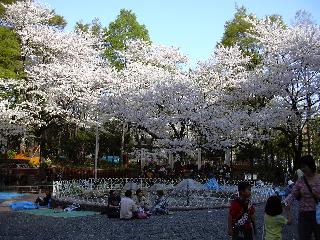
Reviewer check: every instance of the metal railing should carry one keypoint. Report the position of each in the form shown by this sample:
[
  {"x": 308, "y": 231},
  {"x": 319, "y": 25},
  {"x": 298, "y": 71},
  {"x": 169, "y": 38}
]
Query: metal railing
[{"x": 95, "y": 191}]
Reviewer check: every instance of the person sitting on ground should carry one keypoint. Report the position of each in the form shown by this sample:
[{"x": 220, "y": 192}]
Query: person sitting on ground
[
  {"x": 113, "y": 208},
  {"x": 241, "y": 220},
  {"x": 141, "y": 201},
  {"x": 128, "y": 208},
  {"x": 274, "y": 220},
  {"x": 161, "y": 204},
  {"x": 44, "y": 201}
]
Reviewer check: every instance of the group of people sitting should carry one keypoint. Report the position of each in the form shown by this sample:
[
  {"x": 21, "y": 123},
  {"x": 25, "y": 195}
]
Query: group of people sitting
[{"x": 130, "y": 207}]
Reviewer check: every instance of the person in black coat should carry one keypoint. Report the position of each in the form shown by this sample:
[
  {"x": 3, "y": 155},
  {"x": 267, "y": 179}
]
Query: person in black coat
[
  {"x": 113, "y": 208},
  {"x": 44, "y": 201}
]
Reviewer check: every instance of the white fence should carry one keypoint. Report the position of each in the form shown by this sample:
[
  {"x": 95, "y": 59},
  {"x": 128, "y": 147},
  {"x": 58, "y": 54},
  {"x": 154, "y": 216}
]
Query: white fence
[{"x": 91, "y": 191}]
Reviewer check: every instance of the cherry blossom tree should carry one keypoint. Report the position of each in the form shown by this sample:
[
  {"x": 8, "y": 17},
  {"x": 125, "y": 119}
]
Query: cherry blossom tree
[
  {"x": 155, "y": 95},
  {"x": 223, "y": 79},
  {"x": 65, "y": 72},
  {"x": 219, "y": 104},
  {"x": 289, "y": 75},
  {"x": 184, "y": 110}
]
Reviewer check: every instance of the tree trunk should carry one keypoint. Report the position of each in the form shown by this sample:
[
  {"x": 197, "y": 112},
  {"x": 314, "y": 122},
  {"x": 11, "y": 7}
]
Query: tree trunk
[
  {"x": 309, "y": 105},
  {"x": 251, "y": 167},
  {"x": 297, "y": 149},
  {"x": 41, "y": 141},
  {"x": 265, "y": 149},
  {"x": 124, "y": 131}
]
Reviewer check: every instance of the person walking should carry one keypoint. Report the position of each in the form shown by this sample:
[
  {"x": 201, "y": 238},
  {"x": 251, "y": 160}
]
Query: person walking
[{"x": 307, "y": 191}]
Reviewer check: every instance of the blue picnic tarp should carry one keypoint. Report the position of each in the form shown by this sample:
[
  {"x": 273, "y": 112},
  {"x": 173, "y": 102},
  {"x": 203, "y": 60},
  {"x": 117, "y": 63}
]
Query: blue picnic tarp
[
  {"x": 9, "y": 195},
  {"x": 22, "y": 205},
  {"x": 212, "y": 184}
]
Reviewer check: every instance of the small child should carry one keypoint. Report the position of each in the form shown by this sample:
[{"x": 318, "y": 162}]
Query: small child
[
  {"x": 241, "y": 220},
  {"x": 273, "y": 220}
]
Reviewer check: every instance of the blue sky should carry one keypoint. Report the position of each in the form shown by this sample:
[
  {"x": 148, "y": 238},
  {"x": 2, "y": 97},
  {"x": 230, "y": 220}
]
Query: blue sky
[{"x": 195, "y": 26}]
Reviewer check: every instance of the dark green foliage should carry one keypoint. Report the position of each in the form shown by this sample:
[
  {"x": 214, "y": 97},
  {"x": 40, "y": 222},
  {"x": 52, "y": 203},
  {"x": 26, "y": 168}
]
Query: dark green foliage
[
  {"x": 124, "y": 28},
  {"x": 58, "y": 21},
  {"x": 315, "y": 133},
  {"x": 236, "y": 33},
  {"x": 110, "y": 141},
  {"x": 66, "y": 143},
  {"x": 5, "y": 2},
  {"x": 94, "y": 27},
  {"x": 84, "y": 27},
  {"x": 11, "y": 65}
]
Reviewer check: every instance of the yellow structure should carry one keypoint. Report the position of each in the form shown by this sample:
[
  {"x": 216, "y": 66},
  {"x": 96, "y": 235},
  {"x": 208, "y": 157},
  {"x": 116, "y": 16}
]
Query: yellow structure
[
  {"x": 34, "y": 158},
  {"x": 34, "y": 161}
]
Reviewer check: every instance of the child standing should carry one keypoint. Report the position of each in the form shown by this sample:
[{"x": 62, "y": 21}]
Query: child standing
[
  {"x": 241, "y": 221},
  {"x": 273, "y": 220}
]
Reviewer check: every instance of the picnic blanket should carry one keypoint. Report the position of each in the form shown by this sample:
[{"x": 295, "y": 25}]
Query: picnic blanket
[
  {"x": 22, "y": 205},
  {"x": 60, "y": 214},
  {"x": 9, "y": 195}
]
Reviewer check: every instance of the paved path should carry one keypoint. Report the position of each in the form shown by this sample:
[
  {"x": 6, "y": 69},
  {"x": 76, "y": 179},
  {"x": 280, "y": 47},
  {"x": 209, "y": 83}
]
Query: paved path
[{"x": 204, "y": 224}]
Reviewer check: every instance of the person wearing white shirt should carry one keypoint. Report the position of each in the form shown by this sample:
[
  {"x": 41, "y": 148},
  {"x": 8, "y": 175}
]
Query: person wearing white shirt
[{"x": 127, "y": 206}]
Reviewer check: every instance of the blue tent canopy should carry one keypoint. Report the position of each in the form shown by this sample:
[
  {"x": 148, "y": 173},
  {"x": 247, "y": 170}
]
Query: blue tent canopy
[
  {"x": 212, "y": 184},
  {"x": 111, "y": 159}
]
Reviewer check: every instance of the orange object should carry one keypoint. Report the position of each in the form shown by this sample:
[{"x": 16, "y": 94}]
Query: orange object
[
  {"x": 34, "y": 160},
  {"x": 20, "y": 156}
]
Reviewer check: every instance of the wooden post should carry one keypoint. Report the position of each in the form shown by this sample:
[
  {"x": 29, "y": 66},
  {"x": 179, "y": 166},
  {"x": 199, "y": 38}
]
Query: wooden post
[
  {"x": 96, "y": 153},
  {"x": 199, "y": 158}
]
